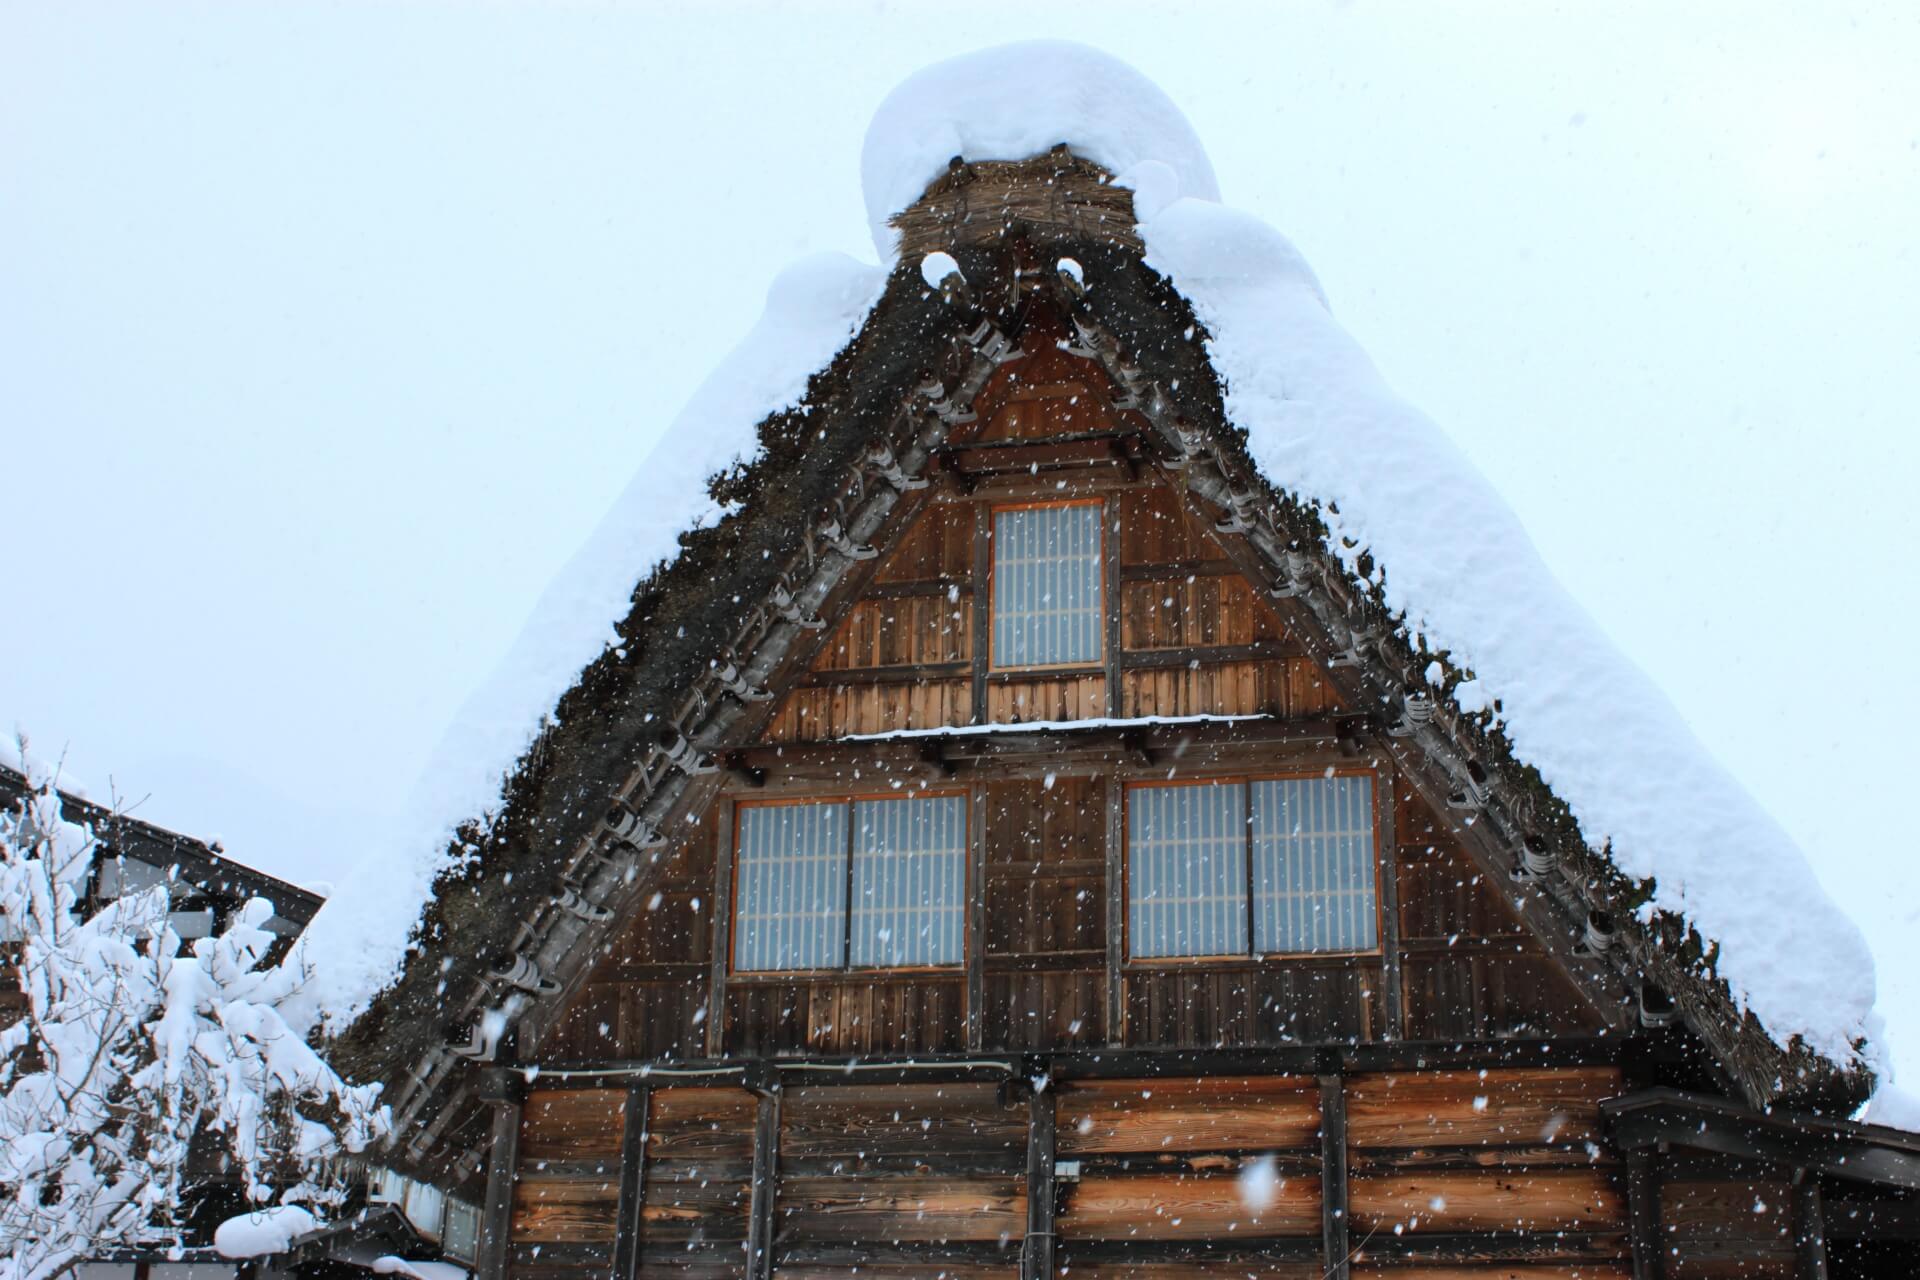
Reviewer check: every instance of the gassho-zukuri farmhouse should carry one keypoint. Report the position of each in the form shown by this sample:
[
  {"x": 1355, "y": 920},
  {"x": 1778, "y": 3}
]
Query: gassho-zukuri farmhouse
[{"x": 1052, "y": 770}]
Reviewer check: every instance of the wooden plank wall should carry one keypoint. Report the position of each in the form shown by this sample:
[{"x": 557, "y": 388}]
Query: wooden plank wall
[
  {"x": 902, "y": 658},
  {"x": 900, "y": 1181},
  {"x": 1195, "y": 637},
  {"x": 1172, "y": 1162},
  {"x": 1045, "y": 908},
  {"x": 1156, "y": 1179},
  {"x": 1477, "y": 1153},
  {"x": 647, "y": 998},
  {"x": 1469, "y": 968},
  {"x": 1725, "y": 1219},
  {"x": 565, "y": 1200},
  {"x": 697, "y": 1181}
]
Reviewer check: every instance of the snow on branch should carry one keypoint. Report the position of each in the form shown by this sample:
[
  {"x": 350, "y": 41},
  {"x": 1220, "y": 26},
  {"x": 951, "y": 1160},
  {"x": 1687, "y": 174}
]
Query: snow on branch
[{"x": 143, "y": 1072}]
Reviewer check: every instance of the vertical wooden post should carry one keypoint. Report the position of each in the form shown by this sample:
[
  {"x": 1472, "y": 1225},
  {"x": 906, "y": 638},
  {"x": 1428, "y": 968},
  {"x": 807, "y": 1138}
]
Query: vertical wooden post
[
  {"x": 633, "y": 1184},
  {"x": 982, "y": 606},
  {"x": 976, "y": 917},
  {"x": 1110, "y": 603},
  {"x": 1116, "y": 910},
  {"x": 504, "y": 1090},
  {"x": 1036, "y": 1253},
  {"x": 1386, "y": 805},
  {"x": 1643, "y": 1216},
  {"x": 766, "y": 1183},
  {"x": 722, "y": 931},
  {"x": 1809, "y": 1228},
  {"x": 1337, "y": 1264}
]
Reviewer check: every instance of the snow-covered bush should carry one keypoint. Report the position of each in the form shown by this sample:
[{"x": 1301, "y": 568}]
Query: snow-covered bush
[{"x": 141, "y": 1070}]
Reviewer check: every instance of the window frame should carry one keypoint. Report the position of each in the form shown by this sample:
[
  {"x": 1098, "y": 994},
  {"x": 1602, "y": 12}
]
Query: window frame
[
  {"x": 844, "y": 970},
  {"x": 1129, "y": 961},
  {"x": 1096, "y": 663}
]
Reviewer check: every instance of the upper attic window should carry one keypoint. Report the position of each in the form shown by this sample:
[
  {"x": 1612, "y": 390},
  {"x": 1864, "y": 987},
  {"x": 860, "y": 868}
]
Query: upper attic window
[{"x": 1048, "y": 609}]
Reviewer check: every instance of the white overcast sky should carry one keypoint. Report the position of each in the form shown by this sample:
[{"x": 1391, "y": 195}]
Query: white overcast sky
[{"x": 329, "y": 331}]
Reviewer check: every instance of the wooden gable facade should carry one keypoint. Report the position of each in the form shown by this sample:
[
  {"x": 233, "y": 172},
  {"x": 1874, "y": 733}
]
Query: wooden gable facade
[
  {"x": 1197, "y": 679},
  {"x": 1489, "y": 1069}
]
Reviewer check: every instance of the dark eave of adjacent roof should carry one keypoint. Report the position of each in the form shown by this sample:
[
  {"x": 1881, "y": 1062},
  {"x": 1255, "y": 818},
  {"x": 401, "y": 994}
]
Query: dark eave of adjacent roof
[
  {"x": 1836, "y": 1147},
  {"x": 193, "y": 862}
]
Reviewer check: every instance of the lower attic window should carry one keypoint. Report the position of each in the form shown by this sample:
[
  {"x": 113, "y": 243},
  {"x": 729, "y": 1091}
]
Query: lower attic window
[
  {"x": 1239, "y": 867},
  {"x": 850, "y": 883}
]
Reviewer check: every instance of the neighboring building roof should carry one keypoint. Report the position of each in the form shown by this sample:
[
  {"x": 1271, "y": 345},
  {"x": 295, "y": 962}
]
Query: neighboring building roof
[
  {"x": 1398, "y": 550},
  {"x": 204, "y": 881}
]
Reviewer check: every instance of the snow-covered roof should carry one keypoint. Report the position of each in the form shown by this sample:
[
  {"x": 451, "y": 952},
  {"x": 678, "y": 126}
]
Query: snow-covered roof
[{"x": 1447, "y": 553}]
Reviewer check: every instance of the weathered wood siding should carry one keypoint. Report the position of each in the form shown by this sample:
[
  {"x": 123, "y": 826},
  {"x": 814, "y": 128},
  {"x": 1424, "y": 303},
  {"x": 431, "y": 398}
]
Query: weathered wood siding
[
  {"x": 1165, "y": 1160},
  {"x": 1469, "y": 968},
  {"x": 1725, "y": 1219},
  {"x": 900, "y": 1181},
  {"x": 565, "y": 1200},
  {"x": 1156, "y": 1176},
  {"x": 697, "y": 1183},
  {"x": 1045, "y": 913},
  {"x": 648, "y": 997}
]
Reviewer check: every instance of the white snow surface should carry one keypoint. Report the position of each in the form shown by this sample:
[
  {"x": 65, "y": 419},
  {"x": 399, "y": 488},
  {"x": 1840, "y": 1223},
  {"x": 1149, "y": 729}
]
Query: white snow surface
[
  {"x": 1045, "y": 726},
  {"x": 1015, "y": 101},
  {"x": 262, "y": 1232},
  {"x": 393, "y": 1265},
  {"x": 361, "y": 931},
  {"x": 1322, "y": 424}
]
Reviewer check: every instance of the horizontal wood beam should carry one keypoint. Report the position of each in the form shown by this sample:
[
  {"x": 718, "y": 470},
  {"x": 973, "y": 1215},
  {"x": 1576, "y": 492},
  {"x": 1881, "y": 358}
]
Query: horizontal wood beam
[
  {"x": 1102, "y": 1063},
  {"x": 1179, "y": 570},
  {"x": 1413, "y": 1247},
  {"x": 988, "y": 457},
  {"x": 1203, "y": 654},
  {"x": 1095, "y": 745}
]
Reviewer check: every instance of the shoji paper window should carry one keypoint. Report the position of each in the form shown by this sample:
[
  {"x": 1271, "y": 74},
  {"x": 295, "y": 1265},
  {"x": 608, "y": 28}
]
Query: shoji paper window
[
  {"x": 1187, "y": 870},
  {"x": 866, "y": 883},
  {"x": 791, "y": 887},
  {"x": 1313, "y": 864},
  {"x": 1046, "y": 586},
  {"x": 909, "y": 874},
  {"x": 1251, "y": 868}
]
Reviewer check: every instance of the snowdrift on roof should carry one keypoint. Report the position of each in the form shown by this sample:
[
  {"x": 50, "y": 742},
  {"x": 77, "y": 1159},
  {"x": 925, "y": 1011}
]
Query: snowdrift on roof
[{"x": 1016, "y": 101}]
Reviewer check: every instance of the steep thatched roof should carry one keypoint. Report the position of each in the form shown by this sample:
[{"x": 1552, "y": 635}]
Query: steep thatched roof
[{"x": 721, "y": 615}]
